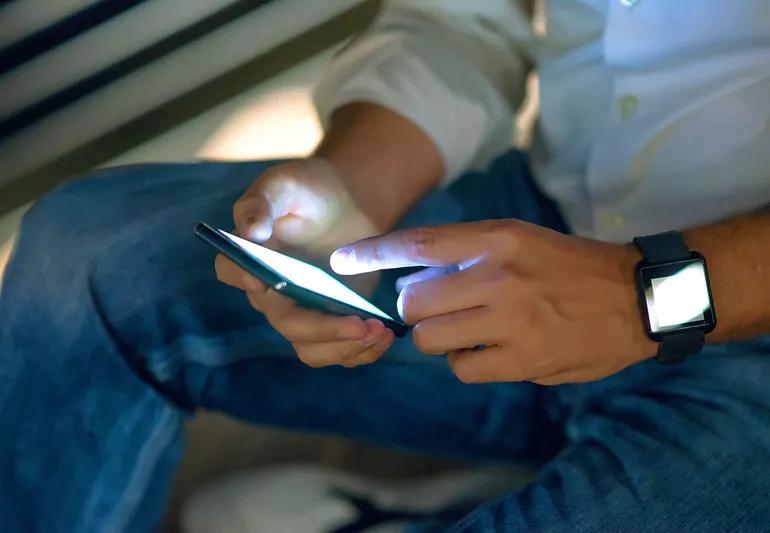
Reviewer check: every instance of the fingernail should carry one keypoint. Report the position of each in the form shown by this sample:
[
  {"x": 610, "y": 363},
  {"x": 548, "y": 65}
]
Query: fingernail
[{"x": 340, "y": 258}]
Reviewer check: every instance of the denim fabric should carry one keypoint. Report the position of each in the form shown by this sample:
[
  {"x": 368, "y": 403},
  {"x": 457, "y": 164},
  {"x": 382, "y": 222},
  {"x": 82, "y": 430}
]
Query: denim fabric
[{"x": 114, "y": 330}]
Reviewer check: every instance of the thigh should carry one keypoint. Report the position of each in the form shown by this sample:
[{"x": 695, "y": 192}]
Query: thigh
[{"x": 656, "y": 449}]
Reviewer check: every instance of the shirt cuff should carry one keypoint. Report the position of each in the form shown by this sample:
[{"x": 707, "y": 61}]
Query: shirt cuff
[{"x": 391, "y": 75}]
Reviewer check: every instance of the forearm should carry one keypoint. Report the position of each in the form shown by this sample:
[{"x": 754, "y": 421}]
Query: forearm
[
  {"x": 738, "y": 256},
  {"x": 385, "y": 161}
]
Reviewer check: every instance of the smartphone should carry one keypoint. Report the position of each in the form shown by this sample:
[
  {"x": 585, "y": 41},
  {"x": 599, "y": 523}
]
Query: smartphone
[{"x": 308, "y": 285}]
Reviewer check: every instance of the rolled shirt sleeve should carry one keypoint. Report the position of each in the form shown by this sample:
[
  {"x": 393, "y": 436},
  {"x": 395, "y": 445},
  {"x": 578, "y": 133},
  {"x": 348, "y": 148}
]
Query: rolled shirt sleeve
[{"x": 455, "y": 68}]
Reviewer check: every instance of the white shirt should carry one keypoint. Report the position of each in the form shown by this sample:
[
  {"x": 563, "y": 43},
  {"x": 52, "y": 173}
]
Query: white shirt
[{"x": 654, "y": 114}]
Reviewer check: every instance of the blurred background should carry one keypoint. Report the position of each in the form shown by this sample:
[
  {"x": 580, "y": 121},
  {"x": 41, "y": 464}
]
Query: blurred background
[{"x": 87, "y": 84}]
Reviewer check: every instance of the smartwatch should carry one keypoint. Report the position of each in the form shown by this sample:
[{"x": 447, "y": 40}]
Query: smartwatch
[{"x": 674, "y": 296}]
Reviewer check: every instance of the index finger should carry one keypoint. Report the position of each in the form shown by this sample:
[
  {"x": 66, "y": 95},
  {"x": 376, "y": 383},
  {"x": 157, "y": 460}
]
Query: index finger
[
  {"x": 231, "y": 274},
  {"x": 444, "y": 245}
]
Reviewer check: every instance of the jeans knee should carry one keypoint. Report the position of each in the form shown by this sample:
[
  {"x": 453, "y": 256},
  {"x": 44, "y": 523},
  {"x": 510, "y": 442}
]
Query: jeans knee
[{"x": 58, "y": 234}]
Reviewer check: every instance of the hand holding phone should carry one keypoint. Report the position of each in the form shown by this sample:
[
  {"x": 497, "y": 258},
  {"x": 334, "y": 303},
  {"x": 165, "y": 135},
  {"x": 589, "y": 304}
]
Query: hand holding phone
[{"x": 303, "y": 301}]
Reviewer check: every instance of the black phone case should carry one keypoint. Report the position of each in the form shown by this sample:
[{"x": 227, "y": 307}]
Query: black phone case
[{"x": 303, "y": 296}]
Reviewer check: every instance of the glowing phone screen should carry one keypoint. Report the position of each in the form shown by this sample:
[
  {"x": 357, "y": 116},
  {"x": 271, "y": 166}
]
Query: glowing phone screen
[{"x": 305, "y": 275}]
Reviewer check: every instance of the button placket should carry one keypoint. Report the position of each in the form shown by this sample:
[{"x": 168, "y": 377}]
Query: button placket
[{"x": 628, "y": 106}]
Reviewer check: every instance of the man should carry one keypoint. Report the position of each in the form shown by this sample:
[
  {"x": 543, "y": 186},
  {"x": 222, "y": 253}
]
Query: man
[{"x": 654, "y": 117}]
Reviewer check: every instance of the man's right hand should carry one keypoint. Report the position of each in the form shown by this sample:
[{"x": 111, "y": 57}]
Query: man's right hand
[{"x": 303, "y": 206}]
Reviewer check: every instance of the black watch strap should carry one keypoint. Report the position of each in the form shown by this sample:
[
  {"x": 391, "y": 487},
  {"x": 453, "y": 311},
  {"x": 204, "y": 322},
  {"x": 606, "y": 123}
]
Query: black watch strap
[
  {"x": 676, "y": 347},
  {"x": 664, "y": 248}
]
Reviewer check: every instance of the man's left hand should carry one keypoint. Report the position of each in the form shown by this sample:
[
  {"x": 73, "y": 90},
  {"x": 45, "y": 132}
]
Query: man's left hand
[{"x": 525, "y": 303}]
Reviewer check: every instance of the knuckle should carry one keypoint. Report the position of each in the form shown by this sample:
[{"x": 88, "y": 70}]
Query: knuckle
[
  {"x": 376, "y": 254},
  {"x": 528, "y": 319},
  {"x": 256, "y": 304},
  {"x": 421, "y": 241},
  {"x": 240, "y": 205},
  {"x": 308, "y": 359},
  {"x": 344, "y": 351},
  {"x": 506, "y": 233},
  {"x": 463, "y": 370},
  {"x": 507, "y": 276},
  {"x": 424, "y": 340},
  {"x": 369, "y": 358}
]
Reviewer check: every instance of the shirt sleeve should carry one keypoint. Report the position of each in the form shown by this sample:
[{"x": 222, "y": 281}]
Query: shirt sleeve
[{"x": 455, "y": 68}]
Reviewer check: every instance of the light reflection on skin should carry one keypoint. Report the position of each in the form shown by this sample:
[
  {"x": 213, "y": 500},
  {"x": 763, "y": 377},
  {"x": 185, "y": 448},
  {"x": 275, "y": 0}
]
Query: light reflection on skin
[{"x": 677, "y": 299}]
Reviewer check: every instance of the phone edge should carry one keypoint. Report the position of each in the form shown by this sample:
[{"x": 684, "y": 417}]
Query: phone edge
[{"x": 211, "y": 236}]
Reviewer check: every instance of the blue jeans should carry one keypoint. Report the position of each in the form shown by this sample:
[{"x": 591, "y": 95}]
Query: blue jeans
[{"x": 114, "y": 330}]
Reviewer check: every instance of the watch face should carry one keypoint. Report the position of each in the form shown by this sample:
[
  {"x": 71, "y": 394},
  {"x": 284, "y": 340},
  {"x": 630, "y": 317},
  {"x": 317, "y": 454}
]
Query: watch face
[{"x": 677, "y": 296}]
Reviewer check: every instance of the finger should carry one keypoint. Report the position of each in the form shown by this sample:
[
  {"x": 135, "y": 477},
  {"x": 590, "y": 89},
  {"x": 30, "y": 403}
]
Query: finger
[
  {"x": 271, "y": 302},
  {"x": 306, "y": 325},
  {"x": 231, "y": 274},
  {"x": 578, "y": 375},
  {"x": 266, "y": 201},
  {"x": 561, "y": 378},
  {"x": 424, "y": 275},
  {"x": 427, "y": 246},
  {"x": 253, "y": 217},
  {"x": 275, "y": 302},
  {"x": 374, "y": 353},
  {"x": 490, "y": 365},
  {"x": 445, "y": 333},
  {"x": 463, "y": 289},
  {"x": 318, "y": 354}
]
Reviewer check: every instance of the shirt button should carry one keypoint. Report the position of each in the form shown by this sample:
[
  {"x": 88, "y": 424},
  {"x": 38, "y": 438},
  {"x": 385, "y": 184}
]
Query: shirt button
[
  {"x": 628, "y": 106},
  {"x": 629, "y": 3},
  {"x": 611, "y": 220}
]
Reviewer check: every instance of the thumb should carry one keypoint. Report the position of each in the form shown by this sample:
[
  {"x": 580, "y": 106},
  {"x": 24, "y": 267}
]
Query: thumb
[{"x": 256, "y": 212}]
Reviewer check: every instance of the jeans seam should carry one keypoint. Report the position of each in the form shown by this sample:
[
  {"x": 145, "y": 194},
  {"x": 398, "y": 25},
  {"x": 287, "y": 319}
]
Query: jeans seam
[{"x": 144, "y": 467}]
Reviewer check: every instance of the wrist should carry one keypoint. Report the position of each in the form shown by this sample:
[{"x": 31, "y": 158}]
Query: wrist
[
  {"x": 385, "y": 161},
  {"x": 351, "y": 225},
  {"x": 675, "y": 297},
  {"x": 347, "y": 221},
  {"x": 378, "y": 209},
  {"x": 643, "y": 347}
]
